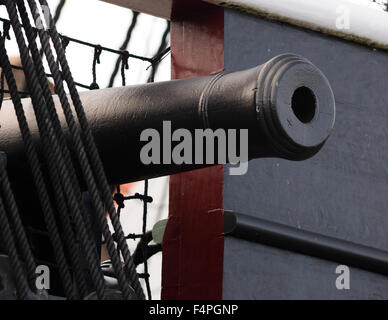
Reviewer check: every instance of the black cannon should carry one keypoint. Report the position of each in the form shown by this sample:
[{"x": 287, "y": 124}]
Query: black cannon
[{"x": 286, "y": 105}]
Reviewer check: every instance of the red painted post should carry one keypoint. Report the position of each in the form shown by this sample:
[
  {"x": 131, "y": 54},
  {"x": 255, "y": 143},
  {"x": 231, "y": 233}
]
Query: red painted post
[{"x": 194, "y": 241}]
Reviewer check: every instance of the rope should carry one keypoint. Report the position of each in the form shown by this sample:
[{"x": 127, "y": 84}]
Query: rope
[
  {"x": 66, "y": 40},
  {"x": 17, "y": 268},
  {"x": 89, "y": 251},
  {"x": 124, "y": 66},
  {"x": 84, "y": 124},
  {"x": 58, "y": 11},
  {"x": 160, "y": 53},
  {"x": 144, "y": 247},
  {"x": 57, "y": 15},
  {"x": 57, "y": 170},
  {"x": 118, "y": 197},
  {"x": 124, "y": 46},
  {"x": 64, "y": 209},
  {"x": 88, "y": 44},
  {"x": 70, "y": 208},
  {"x": 98, "y": 170},
  {"x": 1, "y": 88},
  {"x": 75, "y": 134},
  {"x": 16, "y": 222},
  {"x": 96, "y": 60},
  {"x": 55, "y": 156},
  {"x": 8, "y": 239},
  {"x": 47, "y": 209}
]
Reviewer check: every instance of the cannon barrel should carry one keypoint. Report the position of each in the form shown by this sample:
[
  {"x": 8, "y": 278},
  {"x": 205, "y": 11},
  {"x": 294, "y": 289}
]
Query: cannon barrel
[{"x": 286, "y": 104}]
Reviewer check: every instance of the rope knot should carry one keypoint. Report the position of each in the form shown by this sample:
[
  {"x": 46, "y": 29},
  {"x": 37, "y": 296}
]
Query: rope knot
[
  {"x": 124, "y": 59},
  {"x": 97, "y": 53},
  {"x": 119, "y": 198},
  {"x": 65, "y": 43},
  {"x": 94, "y": 86},
  {"x": 6, "y": 28},
  {"x": 143, "y": 197}
]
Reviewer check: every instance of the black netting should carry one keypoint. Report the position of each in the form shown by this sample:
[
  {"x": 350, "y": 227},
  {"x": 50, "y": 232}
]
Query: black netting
[{"x": 382, "y": 3}]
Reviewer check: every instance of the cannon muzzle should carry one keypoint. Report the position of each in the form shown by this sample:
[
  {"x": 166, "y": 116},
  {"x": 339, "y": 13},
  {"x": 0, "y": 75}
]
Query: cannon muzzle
[{"x": 286, "y": 104}]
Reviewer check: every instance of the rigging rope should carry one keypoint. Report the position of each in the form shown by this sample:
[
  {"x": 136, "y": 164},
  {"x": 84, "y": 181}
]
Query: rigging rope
[
  {"x": 82, "y": 158},
  {"x": 8, "y": 237},
  {"x": 64, "y": 209},
  {"x": 95, "y": 162},
  {"x": 98, "y": 170},
  {"x": 36, "y": 170},
  {"x": 16, "y": 222},
  {"x": 69, "y": 213}
]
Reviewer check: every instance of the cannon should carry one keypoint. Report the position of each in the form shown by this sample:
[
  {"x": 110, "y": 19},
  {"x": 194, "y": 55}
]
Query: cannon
[{"x": 286, "y": 105}]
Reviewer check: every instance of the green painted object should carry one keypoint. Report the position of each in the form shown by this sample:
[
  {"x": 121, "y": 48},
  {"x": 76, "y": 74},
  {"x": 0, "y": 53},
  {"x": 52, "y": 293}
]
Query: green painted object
[{"x": 158, "y": 231}]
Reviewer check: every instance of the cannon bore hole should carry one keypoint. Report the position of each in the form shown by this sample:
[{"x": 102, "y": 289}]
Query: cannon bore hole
[{"x": 304, "y": 104}]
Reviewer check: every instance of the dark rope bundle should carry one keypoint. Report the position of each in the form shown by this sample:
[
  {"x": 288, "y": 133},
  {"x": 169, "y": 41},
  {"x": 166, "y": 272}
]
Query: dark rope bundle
[
  {"x": 2, "y": 79},
  {"x": 69, "y": 184},
  {"x": 61, "y": 170},
  {"x": 63, "y": 210},
  {"x": 95, "y": 165},
  {"x": 13, "y": 235},
  {"x": 31, "y": 153}
]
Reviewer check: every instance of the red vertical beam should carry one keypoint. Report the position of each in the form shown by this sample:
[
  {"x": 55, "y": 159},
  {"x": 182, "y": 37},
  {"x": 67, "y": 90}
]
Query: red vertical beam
[{"x": 194, "y": 242}]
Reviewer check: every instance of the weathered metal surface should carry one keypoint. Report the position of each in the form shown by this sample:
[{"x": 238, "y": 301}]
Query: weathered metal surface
[{"x": 270, "y": 101}]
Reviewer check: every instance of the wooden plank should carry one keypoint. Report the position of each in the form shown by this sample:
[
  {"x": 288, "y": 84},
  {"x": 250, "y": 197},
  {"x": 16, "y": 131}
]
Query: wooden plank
[
  {"x": 193, "y": 241},
  {"x": 159, "y": 8}
]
